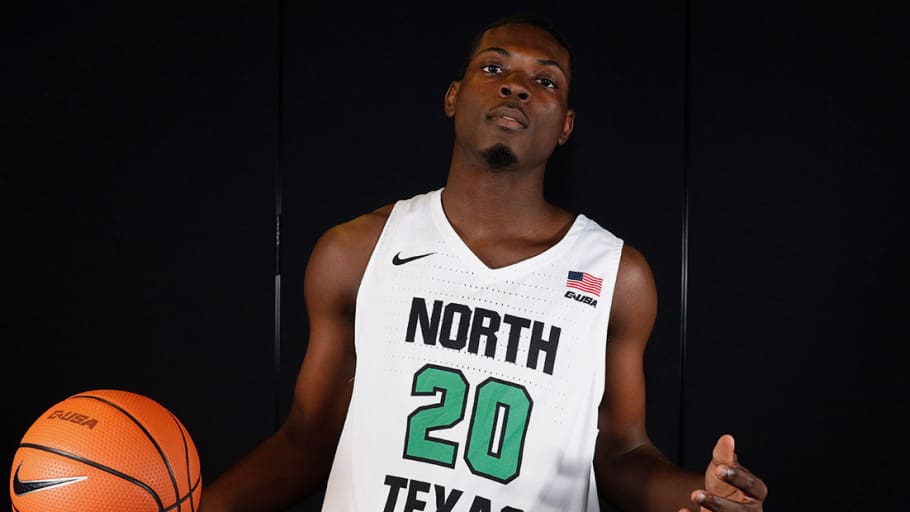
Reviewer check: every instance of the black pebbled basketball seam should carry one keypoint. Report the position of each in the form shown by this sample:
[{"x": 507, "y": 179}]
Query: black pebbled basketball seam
[
  {"x": 167, "y": 463},
  {"x": 102, "y": 467},
  {"x": 186, "y": 459},
  {"x": 97, "y": 465},
  {"x": 119, "y": 474},
  {"x": 148, "y": 434}
]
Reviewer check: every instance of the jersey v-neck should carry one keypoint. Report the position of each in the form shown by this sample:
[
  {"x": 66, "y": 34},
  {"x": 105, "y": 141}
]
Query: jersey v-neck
[{"x": 477, "y": 266}]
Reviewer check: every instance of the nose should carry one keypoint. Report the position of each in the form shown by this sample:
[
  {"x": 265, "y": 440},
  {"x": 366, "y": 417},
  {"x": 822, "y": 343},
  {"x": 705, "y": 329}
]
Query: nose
[
  {"x": 506, "y": 91},
  {"x": 514, "y": 86}
]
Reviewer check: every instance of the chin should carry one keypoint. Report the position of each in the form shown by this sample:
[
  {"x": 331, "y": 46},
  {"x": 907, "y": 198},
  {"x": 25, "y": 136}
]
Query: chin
[{"x": 499, "y": 156}]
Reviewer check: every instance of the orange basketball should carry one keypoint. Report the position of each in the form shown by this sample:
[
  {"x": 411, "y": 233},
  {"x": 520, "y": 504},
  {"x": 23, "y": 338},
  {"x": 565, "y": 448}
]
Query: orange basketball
[{"x": 106, "y": 451}]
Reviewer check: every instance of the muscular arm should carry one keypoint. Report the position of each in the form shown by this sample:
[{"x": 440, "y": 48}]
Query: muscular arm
[
  {"x": 631, "y": 472},
  {"x": 295, "y": 461}
]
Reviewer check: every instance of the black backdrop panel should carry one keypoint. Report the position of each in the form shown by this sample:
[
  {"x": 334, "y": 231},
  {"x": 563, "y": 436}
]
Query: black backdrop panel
[
  {"x": 797, "y": 269},
  {"x": 364, "y": 126},
  {"x": 137, "y": 199}
]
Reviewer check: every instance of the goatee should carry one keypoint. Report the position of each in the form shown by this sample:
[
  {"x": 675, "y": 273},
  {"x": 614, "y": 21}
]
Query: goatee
[{"x": 499, "y": 156}]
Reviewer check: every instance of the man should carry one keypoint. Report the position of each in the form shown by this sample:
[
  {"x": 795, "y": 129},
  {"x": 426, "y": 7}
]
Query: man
[{"x": 477, "y": 348}]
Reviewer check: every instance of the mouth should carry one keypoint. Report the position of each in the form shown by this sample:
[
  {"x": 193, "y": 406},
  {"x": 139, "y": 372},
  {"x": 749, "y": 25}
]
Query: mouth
[{"x": 508, "y": 116}]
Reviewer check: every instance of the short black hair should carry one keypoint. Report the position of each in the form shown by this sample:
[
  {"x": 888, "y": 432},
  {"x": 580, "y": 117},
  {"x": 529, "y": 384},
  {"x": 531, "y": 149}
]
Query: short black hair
[{"x": 521, "y": 18}]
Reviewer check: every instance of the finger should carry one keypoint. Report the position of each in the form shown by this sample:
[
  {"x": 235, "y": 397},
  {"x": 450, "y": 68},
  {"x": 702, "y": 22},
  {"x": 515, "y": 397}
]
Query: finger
[
  {"x": 744, "y": 480},
  {"x": 697, "y": 496},
  {"x": 724, "y": 451},
  {"x": 717, "y": 504}
]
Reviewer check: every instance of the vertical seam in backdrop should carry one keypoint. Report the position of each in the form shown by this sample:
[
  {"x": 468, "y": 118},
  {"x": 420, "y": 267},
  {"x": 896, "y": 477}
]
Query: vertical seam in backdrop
[
  {"x": 279, "y": 147},
  {"x": 684, "y": 271}
]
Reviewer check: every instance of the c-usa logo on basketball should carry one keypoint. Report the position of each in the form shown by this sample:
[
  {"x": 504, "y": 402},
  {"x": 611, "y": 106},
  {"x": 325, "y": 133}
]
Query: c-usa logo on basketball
[{"x": 74, "y": 417}]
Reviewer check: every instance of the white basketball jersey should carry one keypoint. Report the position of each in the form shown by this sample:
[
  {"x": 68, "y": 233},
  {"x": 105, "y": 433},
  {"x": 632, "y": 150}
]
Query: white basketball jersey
[{"x": 476, "y": 389}]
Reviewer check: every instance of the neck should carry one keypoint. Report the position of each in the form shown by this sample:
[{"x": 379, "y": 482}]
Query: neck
[
  {"x": 482, "y": 202},
  {"x": 501, "y": 215}
]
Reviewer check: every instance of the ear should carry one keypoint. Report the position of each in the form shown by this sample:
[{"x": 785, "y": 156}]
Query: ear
[
  {"x": 567, "y": 126},
  {"x": 451, "y": 98}
]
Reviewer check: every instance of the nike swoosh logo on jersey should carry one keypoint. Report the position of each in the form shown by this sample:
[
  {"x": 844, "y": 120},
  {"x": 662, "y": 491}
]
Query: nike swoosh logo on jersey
[
  {"x": 398, "y": 260},
  {"x": 21, "y": 487}
]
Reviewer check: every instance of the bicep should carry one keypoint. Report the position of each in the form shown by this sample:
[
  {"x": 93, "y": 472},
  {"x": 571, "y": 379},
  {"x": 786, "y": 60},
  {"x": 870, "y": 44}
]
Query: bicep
[
  {"x": 622, "y": 409},
  {"x": 325, "y": 381},
  {"x": 631, "y": 471}
]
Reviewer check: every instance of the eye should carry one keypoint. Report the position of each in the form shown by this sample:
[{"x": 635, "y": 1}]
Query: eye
[
  {"x": 546, "y": 82},
  {"x": 492, "y": 69}
]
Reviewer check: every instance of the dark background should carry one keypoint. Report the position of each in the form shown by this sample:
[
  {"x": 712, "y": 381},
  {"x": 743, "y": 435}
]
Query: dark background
[{"x": 755, "y": 153}]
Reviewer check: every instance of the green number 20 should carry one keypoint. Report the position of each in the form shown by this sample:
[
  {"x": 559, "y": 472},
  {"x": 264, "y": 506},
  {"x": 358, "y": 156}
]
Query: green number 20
[{"x": 496, "y": 435}]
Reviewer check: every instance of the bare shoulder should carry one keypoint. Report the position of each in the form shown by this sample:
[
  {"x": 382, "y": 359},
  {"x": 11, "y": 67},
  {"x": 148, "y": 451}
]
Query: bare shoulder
[
  {"x": 341, "y": 254},
  {"x": 634, "y": 271},
  {"x": 634, "y": 297},
  {"x": 355, "y": 236}
]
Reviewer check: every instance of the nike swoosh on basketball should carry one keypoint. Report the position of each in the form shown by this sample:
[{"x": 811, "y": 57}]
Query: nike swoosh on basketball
[
  {"x": 398, "y": 260},
  {"x": 21, "y": 487}
]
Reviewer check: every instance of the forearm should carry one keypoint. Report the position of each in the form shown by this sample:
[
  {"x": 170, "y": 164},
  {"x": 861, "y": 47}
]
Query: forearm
[
  {"x": 644, "y": 480},
  {"x": 279, "y": 472}
]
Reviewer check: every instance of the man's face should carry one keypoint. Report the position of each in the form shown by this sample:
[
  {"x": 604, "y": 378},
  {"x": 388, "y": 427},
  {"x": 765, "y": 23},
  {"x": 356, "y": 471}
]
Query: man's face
[{"x": 513, "y": 94}]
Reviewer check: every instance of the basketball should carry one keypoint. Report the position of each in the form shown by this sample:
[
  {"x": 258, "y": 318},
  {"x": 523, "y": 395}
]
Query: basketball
[{"x": 106, "y": 451}]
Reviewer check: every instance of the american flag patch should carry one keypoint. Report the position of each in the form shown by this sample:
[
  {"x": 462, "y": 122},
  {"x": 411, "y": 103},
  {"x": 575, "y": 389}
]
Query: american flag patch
[{"x": 585, "y": 282}]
